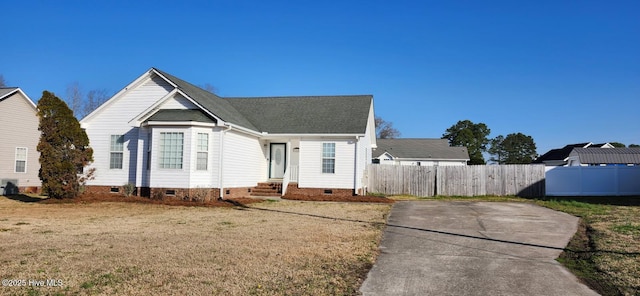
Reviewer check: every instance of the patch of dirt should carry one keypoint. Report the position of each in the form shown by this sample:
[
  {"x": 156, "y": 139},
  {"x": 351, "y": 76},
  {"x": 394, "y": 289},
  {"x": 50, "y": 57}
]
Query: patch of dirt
[
  {"x": 579, "y": 257},
  {"x": 358, "y": 198}
]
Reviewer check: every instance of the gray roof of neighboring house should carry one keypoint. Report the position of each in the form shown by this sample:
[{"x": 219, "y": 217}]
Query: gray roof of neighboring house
[
  {"x": 420, "y": 149},
  {"x": 6, "y": 90},
  {"x": 181, "y": 115},
  {"x": 559, "y": 155},
  {"x": 285, "y": 115},
  {"x": 607, "y": 155}
]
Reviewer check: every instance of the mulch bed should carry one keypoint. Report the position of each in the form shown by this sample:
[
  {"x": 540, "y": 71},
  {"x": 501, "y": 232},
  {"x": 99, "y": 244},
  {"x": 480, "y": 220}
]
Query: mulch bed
[
  {"x": 95, "y": 198},
  {"x": 357, "y": 198}
]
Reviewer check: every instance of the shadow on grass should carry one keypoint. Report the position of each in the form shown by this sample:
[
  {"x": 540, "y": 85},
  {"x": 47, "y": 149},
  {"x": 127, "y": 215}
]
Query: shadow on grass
[
  {"x": 24, "y": 198},
  {"x": 241, "y": 206}
]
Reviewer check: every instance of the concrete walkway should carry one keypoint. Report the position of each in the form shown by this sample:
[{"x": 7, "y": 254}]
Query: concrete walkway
[{"x": 473, "y": 248}]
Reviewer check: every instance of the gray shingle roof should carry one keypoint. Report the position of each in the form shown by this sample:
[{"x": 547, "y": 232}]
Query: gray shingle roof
[
  {"x": 420, "y": 149},
  {"x": 181, "y": 115},
  {"x": 285, "y": 115},
  {"x": 607, "y": 155},
  {"x": 216, "y": 105},
  {"x": 559, "y": 154},
  {"x": 310, "y": 115},
  {"x": 6, "y": 90}
]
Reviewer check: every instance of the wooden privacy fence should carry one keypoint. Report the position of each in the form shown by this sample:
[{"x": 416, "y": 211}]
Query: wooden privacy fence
[{"x": 477, "y": 180}]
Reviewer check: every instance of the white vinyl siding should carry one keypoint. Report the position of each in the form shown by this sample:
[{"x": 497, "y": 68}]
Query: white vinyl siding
[
  {"x": 364, "y": 148},
  {"x": 244, "y": 160},
  {"x": 171, "y": 148},
  {"x": 21, "y": 160},
  {"x": 310, "y": 169},
  {"x": 203, "y": 152},
  {"x": 328, "y": 158},
  {"x": 114, "y": 119},
  {"x": 178, "y": 102},
  {"x": 116, "y": 153},
  {"x": 143, "y": 161}
]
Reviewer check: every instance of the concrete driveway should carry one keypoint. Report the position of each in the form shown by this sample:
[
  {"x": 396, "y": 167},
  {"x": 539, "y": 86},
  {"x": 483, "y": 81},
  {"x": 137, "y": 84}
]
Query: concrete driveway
[{"x": 473, "y": 248}]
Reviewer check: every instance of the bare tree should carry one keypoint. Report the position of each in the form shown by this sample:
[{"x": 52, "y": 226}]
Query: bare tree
[
  {"x": 95, "y": 98},
  {"x": 385, "y": 129},
  {"x": 208, "y": 87},
  {"x": 2, "y": 82},
  {"x": 74, "y": 99}
]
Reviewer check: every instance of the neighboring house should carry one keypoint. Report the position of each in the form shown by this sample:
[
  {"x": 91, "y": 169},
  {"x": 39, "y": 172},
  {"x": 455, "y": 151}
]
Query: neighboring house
[
  {"x": 420, "y": 152},
  {"x": 604, "y": 157},
  {"x": 169, "y": 137},
  {"x": 558, "y": 157},
  {"x": 19, "y": 163}
]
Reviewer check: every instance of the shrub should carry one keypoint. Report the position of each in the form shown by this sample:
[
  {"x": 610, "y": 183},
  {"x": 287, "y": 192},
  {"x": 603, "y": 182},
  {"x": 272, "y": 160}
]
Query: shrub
[
  {"x": 129, "y": 189},
  {"x": 199, "y": 194},
  {"x": 158, "y": 195},
  {"x": 64, "y": 148}
]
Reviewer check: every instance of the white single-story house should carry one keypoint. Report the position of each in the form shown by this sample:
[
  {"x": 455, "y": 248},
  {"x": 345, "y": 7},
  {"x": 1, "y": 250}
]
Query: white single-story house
[
  {"x": 169, "y": 137},
  {"x": 419, "y": 152},
  {"x": 19, "y": 163}
]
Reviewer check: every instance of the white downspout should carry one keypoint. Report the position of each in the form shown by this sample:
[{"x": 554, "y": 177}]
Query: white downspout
[
  {"x": 355, "y": 166},
  {"x": 220, "y": 159}
]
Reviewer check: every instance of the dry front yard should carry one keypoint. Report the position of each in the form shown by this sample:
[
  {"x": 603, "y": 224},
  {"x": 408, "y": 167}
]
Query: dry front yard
[{"x": 285, "y": 247}]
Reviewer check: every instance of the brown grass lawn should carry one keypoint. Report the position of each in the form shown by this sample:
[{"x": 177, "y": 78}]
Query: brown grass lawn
[{"x": 287, "y": 247}]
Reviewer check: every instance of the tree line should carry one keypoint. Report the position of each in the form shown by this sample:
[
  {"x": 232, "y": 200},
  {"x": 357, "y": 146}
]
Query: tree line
[
  {"x": 514, "y": 148},
  {"x": 79, "y": 103}
]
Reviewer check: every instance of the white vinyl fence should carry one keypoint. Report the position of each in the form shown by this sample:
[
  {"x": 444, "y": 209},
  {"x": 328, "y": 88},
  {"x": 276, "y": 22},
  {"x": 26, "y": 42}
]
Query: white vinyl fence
[{"x": 593, "y": 181}]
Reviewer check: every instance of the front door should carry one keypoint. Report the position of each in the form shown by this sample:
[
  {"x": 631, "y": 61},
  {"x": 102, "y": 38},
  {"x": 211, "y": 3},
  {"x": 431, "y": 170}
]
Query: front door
[{"x": 278, "y": 160}]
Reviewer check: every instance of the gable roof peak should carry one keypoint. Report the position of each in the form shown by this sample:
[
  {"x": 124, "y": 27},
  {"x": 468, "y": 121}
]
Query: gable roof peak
[
  {"x": 336, "y": 114},
  {"x": 5, "y": 92},
  {"x": 209, "y": 101}
]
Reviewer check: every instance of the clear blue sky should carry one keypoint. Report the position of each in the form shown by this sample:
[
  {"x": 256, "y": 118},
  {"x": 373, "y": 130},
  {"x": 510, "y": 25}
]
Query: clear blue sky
[{"x": 559, "y": 71}]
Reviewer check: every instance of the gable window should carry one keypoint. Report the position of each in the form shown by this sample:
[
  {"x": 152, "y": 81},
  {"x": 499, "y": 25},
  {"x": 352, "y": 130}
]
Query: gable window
[
  {"x": 21, "y": 160},
  {"x": 171, "y": 145},
  {"x": 203, "y": 152},
  {"x": 328, "y": 158},
  {"x": 116, "y": 152}
]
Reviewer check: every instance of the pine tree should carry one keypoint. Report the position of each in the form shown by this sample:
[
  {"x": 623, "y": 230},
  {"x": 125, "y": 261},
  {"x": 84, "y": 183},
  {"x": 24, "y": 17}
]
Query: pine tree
[{"x": 64, "y": 148}]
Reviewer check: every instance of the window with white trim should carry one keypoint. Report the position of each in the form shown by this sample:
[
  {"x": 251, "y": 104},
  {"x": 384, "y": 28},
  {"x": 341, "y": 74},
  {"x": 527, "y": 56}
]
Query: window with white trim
[
  {"x": 203, "y": 152},
  {"x": 21, "y": 160},
  {"x": 171, "y": 146},
  {"x": 116, "y": 152},
  {"x": 328, "y": 158}
]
